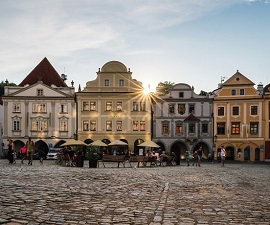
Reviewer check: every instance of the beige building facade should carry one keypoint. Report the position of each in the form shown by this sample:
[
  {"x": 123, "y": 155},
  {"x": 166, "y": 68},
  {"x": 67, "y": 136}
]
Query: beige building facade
[
  {"x": 114, "y": 107},
  {"x": 238, "y": 119}
]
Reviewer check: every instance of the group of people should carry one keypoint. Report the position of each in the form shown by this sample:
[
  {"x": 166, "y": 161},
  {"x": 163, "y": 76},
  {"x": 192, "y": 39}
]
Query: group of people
[
  {"x": 26, "y": 151},
  {"x": 198, "y": 154}
]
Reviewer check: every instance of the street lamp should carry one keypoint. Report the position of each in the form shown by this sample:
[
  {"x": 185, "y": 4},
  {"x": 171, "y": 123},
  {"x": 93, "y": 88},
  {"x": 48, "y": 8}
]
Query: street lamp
[{"x": 215, "y": 138}]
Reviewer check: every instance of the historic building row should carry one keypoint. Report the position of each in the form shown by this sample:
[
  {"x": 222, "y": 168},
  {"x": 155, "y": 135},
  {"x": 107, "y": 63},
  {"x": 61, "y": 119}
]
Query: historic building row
[{"x": 114, "y": 107}]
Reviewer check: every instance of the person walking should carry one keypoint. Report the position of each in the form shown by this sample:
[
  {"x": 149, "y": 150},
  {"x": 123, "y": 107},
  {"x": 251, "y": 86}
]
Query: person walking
[
  {"x": 222, "y": 155},
  {"x": 187, "y": 156},
  {"x": 200, "y": 154},
  {"x": 10, "y": 154},
  {"x": 23, "y": 153},
  {"x": 195, "y": 158},
  {"x": 30, "y": 150}
]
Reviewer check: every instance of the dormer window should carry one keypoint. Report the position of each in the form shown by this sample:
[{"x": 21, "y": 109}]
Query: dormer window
[
  {"x": 39, "y": 92},
  {"x": 107, "y": 83}
]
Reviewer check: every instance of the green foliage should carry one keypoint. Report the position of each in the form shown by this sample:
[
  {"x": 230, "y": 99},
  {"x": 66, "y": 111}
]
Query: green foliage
[
  {"x": 3, "y": 84},
  {"x": 93, "y": 152},
  {"x": 203, "y": 93},
  {"x": 164, "y": 87}
]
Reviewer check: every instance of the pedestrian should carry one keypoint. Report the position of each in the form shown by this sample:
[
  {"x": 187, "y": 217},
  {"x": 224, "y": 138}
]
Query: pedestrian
[
  {"x": 210, "y": 158},
  {"x": 23, "y": 153},
  {"x": 10, "y": 154},
  {"x": 222, "y": 155},
  {"x": 187, "y": 156},
  {"x": 41, "y": 155},
  {"x": 30, "y": 147},
  {"x": 200, "y": 154},
  {"x": 218, "y": 156},
  {"x": 195, "y": 158}
]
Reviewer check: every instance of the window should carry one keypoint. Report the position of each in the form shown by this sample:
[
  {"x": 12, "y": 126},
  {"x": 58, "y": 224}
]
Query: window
[
  {"x": 121, "y": 83},
  {"x": 178, "y": 128},
  {"x": 119, "y": 106},
  {"x": 204, "y": 128},
  {"x": 191, "y": 108},
  {"x": 107, "y": 82},
  {"x": 63, "y": 108},
  {"x": 63, "y": 125},
  {"x": 221, "y": 128},
  {"x": 85, "y": 125},
  {"x": 108, "y": 125},
  {"x": 119, "y": 125},
  {"x": 181, "y": 94},
  {"x": 142, "y": 106},
  {"x": 254, "y": 110},
  {"x": 242, "y": 91},
  {"x": 39, "y": 92},
  {"x": 235, "y": 129},
  {"x": 254, "y": 128},
  {"x": 135, "y": 106},
  {"x": 16, "y": 125},
  {"x": 191, "y": 128},
  {"x": 85, "y": 106},
  {"x": 39, "y": 108},
  {"x": 181, "y": 109},
  {"x": 39, "y": 124},
  {"x": 235, "y": 110},
  {"x": 171, "y": 108},
  {"x": 165, "y": 128},
  {"x": 233, "y": 92},
  {"x": 93, "y": 106},
  {"x": 221, "y": 111},
  {"x": 108, "y": 106},
  {"x": 16, "y": 107},
  {"x": 135, "y": 125},
  {"x": 142, "y": 125},
  {"x": 93, "y": 125}
]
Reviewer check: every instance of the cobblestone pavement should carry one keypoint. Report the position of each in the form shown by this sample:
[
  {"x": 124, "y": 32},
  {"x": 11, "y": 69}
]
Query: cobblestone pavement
[{"x": 210, "y": 194}]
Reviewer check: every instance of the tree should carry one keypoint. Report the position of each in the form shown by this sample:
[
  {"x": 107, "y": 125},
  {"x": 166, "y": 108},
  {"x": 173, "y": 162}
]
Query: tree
[
  {"x": 203, "y": 93},
  {"x": 164, "y": 87},
  {"x": 2, "y": 86}
]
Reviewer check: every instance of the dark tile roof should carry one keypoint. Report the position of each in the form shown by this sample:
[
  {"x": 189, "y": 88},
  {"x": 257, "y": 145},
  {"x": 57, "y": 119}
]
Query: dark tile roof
[
  {"x": 191, "y": 118},
  {"x": 44, "y": 72}
]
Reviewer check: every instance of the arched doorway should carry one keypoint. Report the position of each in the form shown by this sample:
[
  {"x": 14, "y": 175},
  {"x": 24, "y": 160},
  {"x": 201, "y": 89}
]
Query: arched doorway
[
  {"x": 41, "y": 146},
  {"x": 88, "y": 141},
  {"x": 247, "y": 153},
  {"x": 18, "y": 144},
  {"x": 59, "y": 143},
  {"x": 179, "y": 149},
  {"x": 257, "y": 154},
  {"x": 229, "y": 153},
  {"x": 162, "y": 147}
]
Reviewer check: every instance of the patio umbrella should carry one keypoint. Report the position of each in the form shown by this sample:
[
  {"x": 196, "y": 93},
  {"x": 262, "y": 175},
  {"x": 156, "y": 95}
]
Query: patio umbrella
[
  {"x": 98, "y": 143},
  {"x": 73, "y": 142},
  {"x": 117, "y": 142},
  {"x": 150, "y": 144}
]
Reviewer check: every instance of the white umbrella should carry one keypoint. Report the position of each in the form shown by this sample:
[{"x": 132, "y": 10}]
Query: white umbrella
[
  {"x": 117, "y": 142},
  {"x": 73, "y": 142},
  {"x": 98, "y": 143},
  {"x": 150, "y": 144}
]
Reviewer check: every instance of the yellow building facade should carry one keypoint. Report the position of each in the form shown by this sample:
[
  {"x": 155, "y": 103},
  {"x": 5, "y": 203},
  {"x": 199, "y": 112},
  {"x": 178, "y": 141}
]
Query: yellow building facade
[
  {"x": 238, "y": 119},
  {"x": 266, "y": 120},
  {"x": 114, "y": 107}
]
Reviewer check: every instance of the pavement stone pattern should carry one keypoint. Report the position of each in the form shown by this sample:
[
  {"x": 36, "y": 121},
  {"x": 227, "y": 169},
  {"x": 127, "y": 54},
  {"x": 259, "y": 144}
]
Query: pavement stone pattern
[{"x": 237, "y": 194}]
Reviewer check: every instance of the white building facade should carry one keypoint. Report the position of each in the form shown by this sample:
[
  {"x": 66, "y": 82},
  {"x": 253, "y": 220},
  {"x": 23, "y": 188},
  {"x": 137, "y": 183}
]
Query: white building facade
[{"x": 182, "y": 121}]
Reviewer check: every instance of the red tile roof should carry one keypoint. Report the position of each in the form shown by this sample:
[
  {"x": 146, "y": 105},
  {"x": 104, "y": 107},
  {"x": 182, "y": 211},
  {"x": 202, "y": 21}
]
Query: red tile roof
[{"x": 44, "y": 72}]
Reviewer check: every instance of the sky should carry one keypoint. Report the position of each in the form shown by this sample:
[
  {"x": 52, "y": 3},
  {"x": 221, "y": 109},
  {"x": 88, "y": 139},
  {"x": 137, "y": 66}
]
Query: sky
[{"x": 197, "y": 42}]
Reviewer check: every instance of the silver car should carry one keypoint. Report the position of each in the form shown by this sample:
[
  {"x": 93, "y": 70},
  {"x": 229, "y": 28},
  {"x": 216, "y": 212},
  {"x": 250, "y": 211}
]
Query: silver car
[{"x": 52, "y": 153}]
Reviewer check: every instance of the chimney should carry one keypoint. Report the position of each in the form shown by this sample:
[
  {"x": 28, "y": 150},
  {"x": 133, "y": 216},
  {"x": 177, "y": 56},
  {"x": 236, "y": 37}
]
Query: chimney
[{"x": 260, "y": 88}]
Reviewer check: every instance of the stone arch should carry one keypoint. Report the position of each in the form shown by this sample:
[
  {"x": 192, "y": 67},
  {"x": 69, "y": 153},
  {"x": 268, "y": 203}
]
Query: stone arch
[
  {"x": 179, "y": 148},
  {"x": 136, "y": 148},
  {"x": 40, "y": 145},
  {"x": 206, "y": 148}
]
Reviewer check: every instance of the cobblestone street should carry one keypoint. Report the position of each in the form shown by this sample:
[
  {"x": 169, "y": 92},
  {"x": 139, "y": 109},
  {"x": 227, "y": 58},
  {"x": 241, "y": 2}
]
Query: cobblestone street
[{"x": 210, "y": 194}]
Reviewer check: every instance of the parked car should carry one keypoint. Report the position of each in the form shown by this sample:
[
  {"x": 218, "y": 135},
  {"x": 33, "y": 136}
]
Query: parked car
[{"x": 52, "y": 154}]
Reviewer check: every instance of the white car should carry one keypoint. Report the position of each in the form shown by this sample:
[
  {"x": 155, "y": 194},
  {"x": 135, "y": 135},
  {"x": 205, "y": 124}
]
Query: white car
[{"x": 52, "y": 153}]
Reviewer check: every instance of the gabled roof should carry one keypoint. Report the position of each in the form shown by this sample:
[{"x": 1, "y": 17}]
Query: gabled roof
[
  {"x": 44, "y": 72},
  {"x": 238, "y": 79},
  {"x": 191, "y": 118}
]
